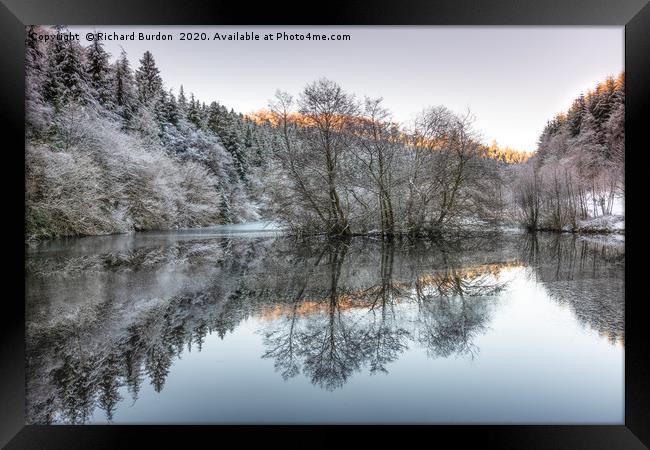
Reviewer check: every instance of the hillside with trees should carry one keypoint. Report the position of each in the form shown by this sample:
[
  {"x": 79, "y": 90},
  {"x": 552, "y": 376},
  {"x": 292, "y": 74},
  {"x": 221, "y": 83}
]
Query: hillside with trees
[
  {"x": 110, "y": 148},
  {"x": 576, "y": 180}
]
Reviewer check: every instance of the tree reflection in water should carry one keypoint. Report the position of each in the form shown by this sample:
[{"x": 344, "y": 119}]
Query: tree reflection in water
[
  {"x": 586, "y": 274},
  {"x": 325, "y": 309},
  {"x": 345, "y": 327}
]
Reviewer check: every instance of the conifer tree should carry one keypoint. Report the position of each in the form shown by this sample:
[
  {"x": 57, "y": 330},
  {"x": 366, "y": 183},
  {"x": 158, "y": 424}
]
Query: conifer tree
[
  {"x": 37, "y": 113},
  {"x": 64, "y": 75},
  {"x": 193, "y": 114},
  {"x": 171, "y": 109},
  {"x": 148, "y": 80},
  {"x": 98, "y": 72},
  {"x": 182, "y": 102},
  {"x": 33, "y": 55},
  {"x": 575, "y": 115}
]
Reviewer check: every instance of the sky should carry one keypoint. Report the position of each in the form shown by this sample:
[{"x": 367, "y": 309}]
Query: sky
[{"x": 513, "y": 79}]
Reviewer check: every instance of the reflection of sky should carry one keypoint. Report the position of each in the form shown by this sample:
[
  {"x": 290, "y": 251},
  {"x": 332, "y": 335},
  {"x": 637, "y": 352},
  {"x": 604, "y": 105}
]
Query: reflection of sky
[
  {"x": 536, "y": 357},
  {"x": 535, "y": 364},
  {"x": 513, "y": 78}
]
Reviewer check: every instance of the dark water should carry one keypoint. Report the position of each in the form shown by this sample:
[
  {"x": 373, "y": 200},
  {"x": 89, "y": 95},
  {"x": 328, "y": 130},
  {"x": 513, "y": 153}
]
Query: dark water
[{"x": 223, "y": 326}]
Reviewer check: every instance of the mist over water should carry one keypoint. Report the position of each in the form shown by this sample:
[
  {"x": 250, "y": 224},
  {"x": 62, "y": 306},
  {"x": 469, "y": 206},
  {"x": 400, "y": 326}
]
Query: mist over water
[{"x": 245, "y": 325}]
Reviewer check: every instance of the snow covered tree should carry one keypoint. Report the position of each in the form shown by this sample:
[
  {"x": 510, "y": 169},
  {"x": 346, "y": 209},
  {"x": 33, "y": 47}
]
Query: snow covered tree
[
  {"x": 233, "y": 142},
  {"x": 182, "y": 102},
  {"x": 148, "y": 80},
  {"x": 37, "y": 112},
  {"x": 34, "y": 59},
  {"x": 615, "y": 130},
  {"x": 217, "y": 117},
  {"x": 145, "y": 123},
  {"x": 575, "y": 115},
  {"x": 65, "y": 77},
  {"x": 375, "y": 146},
  {"x": 193, "y": 112},
  {"x": 124, "y": 96},
  {"x": 328, "y": 109},
  {"x": 171, "y": 113},
  {"x": 98, "y": 72}
]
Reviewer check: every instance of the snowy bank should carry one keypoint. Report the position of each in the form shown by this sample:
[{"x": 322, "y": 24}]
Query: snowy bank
[{"x": 602, "y": 224}]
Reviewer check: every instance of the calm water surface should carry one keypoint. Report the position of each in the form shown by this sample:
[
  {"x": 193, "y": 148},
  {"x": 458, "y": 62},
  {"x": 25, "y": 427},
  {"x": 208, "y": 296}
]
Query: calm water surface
[{"x": 241, "y": 324}]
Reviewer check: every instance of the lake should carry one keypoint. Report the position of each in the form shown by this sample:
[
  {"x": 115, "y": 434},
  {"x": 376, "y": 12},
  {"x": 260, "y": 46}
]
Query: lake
[{"x": 241, "y": 324}]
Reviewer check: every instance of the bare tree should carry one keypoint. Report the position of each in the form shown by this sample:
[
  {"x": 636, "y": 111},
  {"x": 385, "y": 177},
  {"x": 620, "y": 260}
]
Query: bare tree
[
  {"x": 327, "y": 111},
  {"x": 351, "y": 168},
  {"x": 528, "y": 197},
  {"x": 446, "y": 151},
  {"x": 313, "y": 143},
  {"x": 377, "y": 141},
  {"x": 300, "y": 168}
]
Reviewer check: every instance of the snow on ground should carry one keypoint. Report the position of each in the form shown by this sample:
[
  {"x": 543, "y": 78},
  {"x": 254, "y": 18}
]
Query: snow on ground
[
  {"x": 613, "y": 223},
  {"x": 619, "y": 206}
]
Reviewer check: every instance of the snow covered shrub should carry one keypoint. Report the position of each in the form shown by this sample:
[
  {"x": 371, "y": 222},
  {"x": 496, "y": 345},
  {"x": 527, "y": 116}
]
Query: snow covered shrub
[
  {"x": 65, "y": 195},
  {"x": 200, "y": 202}
]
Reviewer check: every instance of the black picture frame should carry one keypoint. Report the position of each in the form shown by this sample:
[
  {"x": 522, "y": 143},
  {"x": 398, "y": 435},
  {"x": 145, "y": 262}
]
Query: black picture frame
[{"x": 15, "y": 14}]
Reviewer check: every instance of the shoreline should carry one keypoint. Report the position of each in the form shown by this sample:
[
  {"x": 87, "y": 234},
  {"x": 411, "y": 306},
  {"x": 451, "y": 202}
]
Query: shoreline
[{"x": 432, "y": 234}]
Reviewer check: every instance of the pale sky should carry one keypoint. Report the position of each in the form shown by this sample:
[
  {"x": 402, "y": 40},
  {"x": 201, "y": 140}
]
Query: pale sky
[{"x": 514, "y": 79}]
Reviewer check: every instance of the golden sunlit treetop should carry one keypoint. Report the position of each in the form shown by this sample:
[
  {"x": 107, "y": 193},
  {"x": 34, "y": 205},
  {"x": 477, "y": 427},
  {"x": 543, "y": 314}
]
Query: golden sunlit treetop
[{"x": 504, "y": 154}]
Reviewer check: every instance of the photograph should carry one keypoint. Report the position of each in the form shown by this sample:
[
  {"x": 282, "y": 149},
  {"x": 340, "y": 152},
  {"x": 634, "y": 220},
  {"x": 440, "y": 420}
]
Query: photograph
[{"x": 310, "y": 225}]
